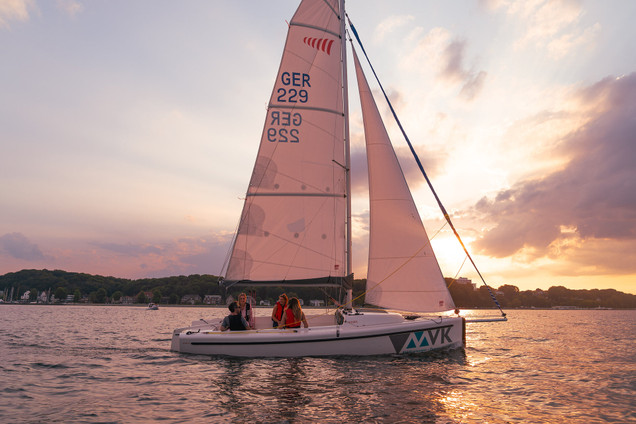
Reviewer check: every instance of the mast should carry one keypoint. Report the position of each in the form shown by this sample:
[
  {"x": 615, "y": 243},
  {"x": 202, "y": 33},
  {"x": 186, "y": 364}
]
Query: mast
[{"x": 345, "y": 98}]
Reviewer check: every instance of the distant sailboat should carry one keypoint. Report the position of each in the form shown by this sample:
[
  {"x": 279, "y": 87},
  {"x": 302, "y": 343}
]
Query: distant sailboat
[{"x": 295, "y": 228}]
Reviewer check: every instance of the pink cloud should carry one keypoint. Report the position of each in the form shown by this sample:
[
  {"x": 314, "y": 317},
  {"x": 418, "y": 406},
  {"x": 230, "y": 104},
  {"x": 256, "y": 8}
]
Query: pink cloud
[{"x": 591, "y": 200}]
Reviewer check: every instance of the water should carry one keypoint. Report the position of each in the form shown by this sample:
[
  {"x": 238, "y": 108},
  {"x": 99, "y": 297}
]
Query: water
[{"x": 83, "y": 364}]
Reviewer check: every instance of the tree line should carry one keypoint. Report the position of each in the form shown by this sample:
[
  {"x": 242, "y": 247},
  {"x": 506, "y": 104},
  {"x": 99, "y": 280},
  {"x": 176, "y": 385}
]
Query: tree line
[
  {"x": 170, "y": 290},
  {"x": 509, "y": 296},
  {"x": 167, "y": 290}
]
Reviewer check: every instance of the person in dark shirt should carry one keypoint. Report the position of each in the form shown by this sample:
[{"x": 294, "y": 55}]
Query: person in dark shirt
[{"x": 234, "y": 321}]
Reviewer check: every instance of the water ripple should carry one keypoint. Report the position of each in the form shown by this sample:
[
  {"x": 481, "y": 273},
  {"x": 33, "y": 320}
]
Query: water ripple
[{"x": 117, "y": 368}]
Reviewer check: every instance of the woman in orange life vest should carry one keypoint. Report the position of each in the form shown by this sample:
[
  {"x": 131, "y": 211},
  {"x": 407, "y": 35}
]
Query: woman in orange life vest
[
  {"x": 294, "y": 315},
  {"x": 246, "y": 309},
  {"x": 279, "y": 311}
]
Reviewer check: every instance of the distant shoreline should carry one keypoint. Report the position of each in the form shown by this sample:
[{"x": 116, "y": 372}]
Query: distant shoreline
[{"x": 145, "y": 306}]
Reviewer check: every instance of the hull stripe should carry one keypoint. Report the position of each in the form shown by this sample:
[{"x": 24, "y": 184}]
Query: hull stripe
[{"x": 330, "y": 339}]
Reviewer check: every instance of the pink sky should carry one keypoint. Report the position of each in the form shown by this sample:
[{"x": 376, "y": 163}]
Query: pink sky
[{"x": 128, "y": 132}]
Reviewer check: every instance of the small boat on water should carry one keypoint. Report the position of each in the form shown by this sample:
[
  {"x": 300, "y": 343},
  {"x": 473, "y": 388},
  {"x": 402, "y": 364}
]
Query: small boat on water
[
  {"x": 153, "y": 306},
  {"x": 295, "y": 228}
]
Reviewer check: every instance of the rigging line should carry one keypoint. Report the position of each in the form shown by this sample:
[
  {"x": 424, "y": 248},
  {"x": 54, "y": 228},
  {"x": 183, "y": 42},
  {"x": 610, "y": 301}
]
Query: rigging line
[
  {"x": 419, "y": 164},
  {"x": 438, "y": 231},
  {"x": 460, "y": 268},
  {"x": 335, "y": 302},
  {"x": 458, "y": 271}
]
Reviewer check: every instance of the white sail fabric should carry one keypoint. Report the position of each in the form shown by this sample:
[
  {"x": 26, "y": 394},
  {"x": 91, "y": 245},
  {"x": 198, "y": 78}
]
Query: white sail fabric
[
  {"x": 293, "y": 221},
  {"x": 403, "y": 272}
]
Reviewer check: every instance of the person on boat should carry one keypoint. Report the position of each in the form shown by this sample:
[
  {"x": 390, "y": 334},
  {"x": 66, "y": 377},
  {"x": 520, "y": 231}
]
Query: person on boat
[
  {"x": 246, "y": 309},
  {"x": 234, "y": 321},
  {"x": 279, "y": 310},
  {"x": 294, "y": 315}
]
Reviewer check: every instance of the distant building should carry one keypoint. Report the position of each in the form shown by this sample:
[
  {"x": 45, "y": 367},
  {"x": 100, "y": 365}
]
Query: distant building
[
  {"x": 70, "y": 298},
  {"x": 212, "y": 299},
  {"x": 265, "y": 302},
  {"x": 26, "y": 295},
  {"x": 466, "y": 281},
  {"x": 127, "y": 300},
  {"x": 316, "y": 302},
  {"x": 191, "y": 299}
]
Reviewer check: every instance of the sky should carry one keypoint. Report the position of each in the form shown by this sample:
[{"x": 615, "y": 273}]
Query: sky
[{"x": 128, "y": 132}]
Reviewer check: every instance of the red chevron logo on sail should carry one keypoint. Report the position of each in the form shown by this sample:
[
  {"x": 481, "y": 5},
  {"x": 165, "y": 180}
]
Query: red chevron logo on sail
[{"x": 323, "y": 44}]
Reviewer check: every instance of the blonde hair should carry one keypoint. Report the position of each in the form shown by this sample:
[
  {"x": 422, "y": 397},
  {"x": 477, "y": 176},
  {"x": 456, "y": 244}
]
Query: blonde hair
[{"x": 294, "y": 305}]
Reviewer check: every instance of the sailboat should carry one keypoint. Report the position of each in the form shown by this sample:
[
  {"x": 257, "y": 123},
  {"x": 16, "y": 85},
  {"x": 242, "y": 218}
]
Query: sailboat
[{"x": 295, "y": 227}]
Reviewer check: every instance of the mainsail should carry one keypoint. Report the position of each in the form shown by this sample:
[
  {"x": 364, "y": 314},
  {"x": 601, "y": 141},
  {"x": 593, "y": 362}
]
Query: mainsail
[
  {"x": 403, "y": 272},
  {"x": 292, "y": 227}
]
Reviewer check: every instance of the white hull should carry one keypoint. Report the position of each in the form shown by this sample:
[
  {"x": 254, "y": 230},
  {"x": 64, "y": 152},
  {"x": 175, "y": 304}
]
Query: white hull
[{"x": 360, "y": 334}]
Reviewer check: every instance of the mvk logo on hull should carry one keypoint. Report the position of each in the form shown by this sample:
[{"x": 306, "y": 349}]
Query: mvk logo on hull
[{"x": 421, "y": 340}]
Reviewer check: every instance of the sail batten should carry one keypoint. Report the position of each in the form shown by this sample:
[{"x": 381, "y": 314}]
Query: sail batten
[
  {"x": 314, "y": 27},
  {"x": 279, "y": 106},
  {"x": 298, "y": 194}
]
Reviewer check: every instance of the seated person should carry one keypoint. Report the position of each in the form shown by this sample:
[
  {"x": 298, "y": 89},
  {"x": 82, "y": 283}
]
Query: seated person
[
  {"x": 234, "y": 321},
  {"x": 294, "y": 315},
  {"x": 246, "y": 310},
  {"x": 279, "y": 311}
]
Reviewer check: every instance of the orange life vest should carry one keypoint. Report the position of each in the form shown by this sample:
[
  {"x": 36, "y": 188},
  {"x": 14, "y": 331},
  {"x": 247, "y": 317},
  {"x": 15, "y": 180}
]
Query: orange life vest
[
  {"x": 290, "y": 319},
  {"x": 279, "y": 311}
]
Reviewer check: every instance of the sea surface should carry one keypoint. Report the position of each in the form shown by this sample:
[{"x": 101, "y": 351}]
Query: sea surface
[{"x": 112, "y": 364}]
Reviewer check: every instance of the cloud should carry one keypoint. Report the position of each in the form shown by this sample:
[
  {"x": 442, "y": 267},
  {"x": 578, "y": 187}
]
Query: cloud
[
  {"x": 546, "y": 18},
  {"x": 389, "y": 24},
  {"x": 184, "y": 256},
  {"x": 588, "y": 204},
  {"x": 454, "y": 70},
  {"x": 439, "y": 47},
  {"x": 494, "y": 4},
  {"x": 70, "y": 7},
  {"x": 553, "y": 25},
  {"x": 131, "y": 249},
  {"x": 566, "y": 43},
  {"x": 196, "y": 255},
  {"x": 17, "y": 246},
  {"x": 14, "y": 10}
]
